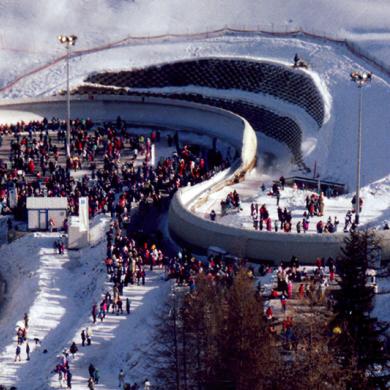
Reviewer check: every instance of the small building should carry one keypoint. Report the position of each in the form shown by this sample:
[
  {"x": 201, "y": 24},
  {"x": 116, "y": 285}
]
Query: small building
[{"x": 41, "y": 209}]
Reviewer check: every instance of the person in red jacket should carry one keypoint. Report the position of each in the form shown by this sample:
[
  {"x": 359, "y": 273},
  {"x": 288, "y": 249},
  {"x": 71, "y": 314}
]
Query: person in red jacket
[
  {"x": 290, "y": 289},
  {"x": 269, "y": 224},
  {"x": 301, "y": 291},
  {"x": 269, "y": 313},
  {"x": 31, "y": 167}
]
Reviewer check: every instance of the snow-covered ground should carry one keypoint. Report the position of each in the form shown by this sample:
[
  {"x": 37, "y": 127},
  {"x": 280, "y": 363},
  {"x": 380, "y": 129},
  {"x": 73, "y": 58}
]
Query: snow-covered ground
[
  {"x": 54, "y": 290},
  {"x": 57, "y": 292},
  {"x": 98, "y": 22}
]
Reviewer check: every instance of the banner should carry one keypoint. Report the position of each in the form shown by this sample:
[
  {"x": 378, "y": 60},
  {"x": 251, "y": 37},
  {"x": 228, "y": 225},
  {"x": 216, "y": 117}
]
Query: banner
[{"x": 84, "y": 213}]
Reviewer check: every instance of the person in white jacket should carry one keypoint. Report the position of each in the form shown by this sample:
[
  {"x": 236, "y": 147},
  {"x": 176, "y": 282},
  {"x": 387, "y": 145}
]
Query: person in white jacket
[
  {"x": 121, "y": 378},
  {"x": 147, "y": 385}
]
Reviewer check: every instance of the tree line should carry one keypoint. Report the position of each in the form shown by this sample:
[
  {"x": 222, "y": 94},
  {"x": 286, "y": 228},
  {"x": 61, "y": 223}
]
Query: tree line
[{"x": 216, "y": 336}]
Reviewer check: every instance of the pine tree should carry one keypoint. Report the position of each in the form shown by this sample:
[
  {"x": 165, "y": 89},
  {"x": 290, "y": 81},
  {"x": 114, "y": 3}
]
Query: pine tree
[
  {"x": 204, "y": 322},
  {"x": 357, "y": 333},
  {"x": 311, "y": 360},
  {"x": 225, "y": 337},
  {"x": 250, "y": 356},
  {"x": 165, "y": 354}
]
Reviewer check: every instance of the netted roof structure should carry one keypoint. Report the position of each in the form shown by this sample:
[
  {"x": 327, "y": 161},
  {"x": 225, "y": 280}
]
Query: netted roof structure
[{"x": 289, "y": 84}]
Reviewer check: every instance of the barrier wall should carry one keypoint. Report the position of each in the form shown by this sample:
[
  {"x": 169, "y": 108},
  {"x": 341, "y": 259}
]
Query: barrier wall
[
  {"x": 185, "y": 225},
  {"x": 255, "y": 245},
  {"x": 3, "y": 231}
]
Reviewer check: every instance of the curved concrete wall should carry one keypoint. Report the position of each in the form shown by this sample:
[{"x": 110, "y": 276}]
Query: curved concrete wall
[
  {"x": 185, "y": 225},
  {"x": 255, "y": 245}
]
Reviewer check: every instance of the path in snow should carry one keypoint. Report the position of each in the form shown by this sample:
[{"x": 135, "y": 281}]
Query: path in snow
[
  {"x": 58, "y": 297},
  {"x": 47, "y": 312},
  {"x": 120, "y": 341},
  {"x": 54, "y": 290},
  {"x": 58, "y": 292}
]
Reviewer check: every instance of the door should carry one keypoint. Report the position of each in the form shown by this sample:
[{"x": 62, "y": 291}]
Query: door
[{"x": 42, "y": 219}]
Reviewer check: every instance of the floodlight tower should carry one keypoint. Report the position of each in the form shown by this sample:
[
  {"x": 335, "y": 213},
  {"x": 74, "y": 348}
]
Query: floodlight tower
[
  {"x": 361, "y": 79},
  {"x": 68, "y": 41}
]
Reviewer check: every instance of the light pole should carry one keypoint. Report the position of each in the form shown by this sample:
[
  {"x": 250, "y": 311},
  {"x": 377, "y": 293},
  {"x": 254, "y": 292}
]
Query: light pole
[
  {"x": 68, "y": 41},
  {"x": 361, "y": 79}
]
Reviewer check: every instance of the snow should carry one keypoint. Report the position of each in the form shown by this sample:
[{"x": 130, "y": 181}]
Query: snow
[
  {"x": 382, "y": 307},
  {"x": 382, "y": 302},
  {"x": 120, "y": 341},
  {"x": 12, "y": 117},
  {"x": 97, "y": 22},
  {"x": 57, "y": 292},
  {"x": 48, "y": 287}
]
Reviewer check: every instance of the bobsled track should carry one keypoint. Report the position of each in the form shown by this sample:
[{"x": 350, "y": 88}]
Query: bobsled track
[{"x": 225, "y": 118}]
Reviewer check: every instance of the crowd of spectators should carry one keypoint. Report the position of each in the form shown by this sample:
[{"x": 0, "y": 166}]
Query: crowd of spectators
[
  {"x": 113, "y": 184},
  {"x": 34, "y": 168},
  {"x": 315, "y": 206},
  {"x": 294, "y": 282}
]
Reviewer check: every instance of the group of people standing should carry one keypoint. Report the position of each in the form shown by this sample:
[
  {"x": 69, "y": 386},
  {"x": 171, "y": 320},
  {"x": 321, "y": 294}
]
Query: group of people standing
[
  {"x": 315, "y": 207},
  {"x": 108, "y": 141},
  {"x": 260, "y": 217},
  {"x": 21, "y": 339},
  {"x": 296, "y": 282}
]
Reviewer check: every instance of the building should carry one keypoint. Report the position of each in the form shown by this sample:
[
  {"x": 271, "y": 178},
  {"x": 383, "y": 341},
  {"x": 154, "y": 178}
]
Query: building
[{"x": 41, "y": 209}]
